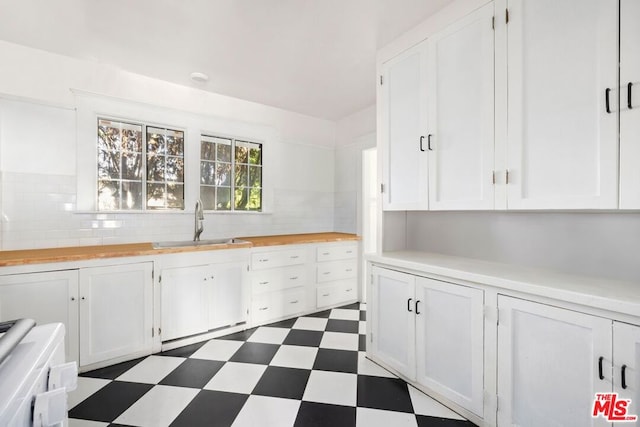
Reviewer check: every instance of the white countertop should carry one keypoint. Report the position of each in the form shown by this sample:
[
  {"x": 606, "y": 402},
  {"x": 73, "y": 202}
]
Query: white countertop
[{"x": 607, "y": 294}]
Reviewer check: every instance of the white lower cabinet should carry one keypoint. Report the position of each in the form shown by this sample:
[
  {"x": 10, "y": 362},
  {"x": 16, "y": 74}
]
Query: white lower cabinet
[
  {"x": 116, "y": 311},
  {"x": 450, "y": 341},
  {"x": 551, "y": 363},
  {"x": 393, "y": 324},
  {"x": 198, "y": 298},
  {"x": 228, "y": 294},
  {"x": 431, "y": 332},
  {"x": 626, "y": 364},
  {"x": 184, "y": 300},
  {"x": 45, "y": 297},
  {"x": 279, "y": 281}
]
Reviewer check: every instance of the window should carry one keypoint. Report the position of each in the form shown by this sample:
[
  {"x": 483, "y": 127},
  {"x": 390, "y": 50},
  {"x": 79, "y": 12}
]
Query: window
[
  {"x": 122, "y": 182},
  {"x": 165, "y": 168},
  {"x": 119, "y": 165},
  {"x": 230, "y": 174}
]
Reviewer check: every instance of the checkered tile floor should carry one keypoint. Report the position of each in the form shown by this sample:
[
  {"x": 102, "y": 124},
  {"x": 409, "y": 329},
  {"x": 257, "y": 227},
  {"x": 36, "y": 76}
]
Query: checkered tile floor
[{"x": 308, "y": 371}]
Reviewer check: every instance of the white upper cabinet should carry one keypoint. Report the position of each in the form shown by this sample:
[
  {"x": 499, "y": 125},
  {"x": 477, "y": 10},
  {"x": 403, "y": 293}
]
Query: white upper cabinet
[
  {"x": 403, "y": 130},
  {"x": 629, "y": 104},
  {"x": 562, "y": 104},
  {"x": 461, "y": 114}
]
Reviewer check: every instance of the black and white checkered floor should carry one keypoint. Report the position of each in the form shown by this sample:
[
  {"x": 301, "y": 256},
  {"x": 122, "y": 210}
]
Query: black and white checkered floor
[{"x": 308, "y": 371}]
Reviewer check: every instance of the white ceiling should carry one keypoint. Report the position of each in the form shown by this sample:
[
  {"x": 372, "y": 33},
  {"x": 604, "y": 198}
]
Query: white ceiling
[{"x": 315, "y": 57}]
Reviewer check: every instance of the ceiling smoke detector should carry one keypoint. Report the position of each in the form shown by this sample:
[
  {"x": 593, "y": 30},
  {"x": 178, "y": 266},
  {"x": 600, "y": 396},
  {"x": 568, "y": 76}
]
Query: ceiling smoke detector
[{"x": 199, "y": 77}]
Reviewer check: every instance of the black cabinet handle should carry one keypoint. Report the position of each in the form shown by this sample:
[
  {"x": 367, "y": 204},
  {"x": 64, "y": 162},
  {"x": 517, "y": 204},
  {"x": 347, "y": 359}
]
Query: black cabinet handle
[
  {"x": 421, "y": 139},
  {"x": 417, "y": 302},
  {"x": 629, "y": 85},
  {"x": 623, "y": 376},
  {"x": 409, "y": 304},
  {"x": 429, "y": 142},
  {"x": 600, "y": 367},
  {"x": 606, "y": 100}
]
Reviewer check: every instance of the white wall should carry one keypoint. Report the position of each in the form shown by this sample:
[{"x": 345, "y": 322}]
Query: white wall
[
  {"x": 354, "y": 134},
  {"x": 42, "y": 166},
  {"x": 594, "y": 244}
]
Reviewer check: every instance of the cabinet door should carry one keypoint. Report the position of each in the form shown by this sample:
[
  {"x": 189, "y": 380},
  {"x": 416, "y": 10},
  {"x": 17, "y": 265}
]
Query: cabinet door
[
  {"x": 548, "y": 364},
  {"x": 450, "y": 341},
  {"x": 461, "y": 114},
  {"x": 185, "y": 298},
  {"x": 116, "y": 309},
  {"x": 629, "y": 104},
  {"x": 404, "y": 130},
  {"x": 393, "y": 322},
  {"x": 228, "y": 293},
  {"x": 626, "y": 363},
  {"x": 562, "y": 66},
  {"x": 46, "y": 298}
]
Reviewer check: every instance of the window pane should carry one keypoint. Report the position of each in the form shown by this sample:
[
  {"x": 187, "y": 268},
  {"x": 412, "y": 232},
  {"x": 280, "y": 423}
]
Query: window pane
[
  {"x": 241, "y": 198},
  {"x": 108, "y": 164},
  {"x": 242, "y": 175},
  {"x": 224, "y": 151},
  {"x": 175, "y": 169},
  {"x": 175, "y": 196},
  {"x": 131, "y": 195},
  {"x": 207, "y": 173},
  {"x": 255, "y": 154},
  {"x": 132, "y": 140},
  {"x": 223, "y": 174},
  {"x": 175, "y": 143},
  {"x": 255, "y": 176},
  {"x": 255, "y": 199},
  {"x": 242, "y": 153},
  {"x": 108, "y": 195},
  {"x": 223, "y": 201},
  {"x": 155, "y": 168},
  {"x": 155, "y": 196},
  {"x": 108, "y": 136},
  {"x": 131, "y": 166},
  {"x": 207, "y": 150},
  {"x": 208, "y": 197},
  {"x": 155, "y": 143}
]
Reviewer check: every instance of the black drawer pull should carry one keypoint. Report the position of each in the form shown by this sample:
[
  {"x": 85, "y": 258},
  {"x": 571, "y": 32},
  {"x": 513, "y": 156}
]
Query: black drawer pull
[
  {"x": 417, "y": 302},
  {"x": 607, "y": 91},
  {"x": 629, "y": 85},
  {"x": 409, "y": 304},
  {"x": 623, "y": 372},
  {"x": 600, "y": 368}
]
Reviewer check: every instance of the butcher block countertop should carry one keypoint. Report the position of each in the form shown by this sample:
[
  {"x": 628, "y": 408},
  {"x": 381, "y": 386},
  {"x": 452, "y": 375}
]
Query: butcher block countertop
[
  {"x": 78, "y": 253},
  {"x": 296, "y": 239}
]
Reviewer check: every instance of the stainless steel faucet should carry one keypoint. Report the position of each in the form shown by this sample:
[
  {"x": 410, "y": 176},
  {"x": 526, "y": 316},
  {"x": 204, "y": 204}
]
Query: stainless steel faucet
[{"x": 199, "y": 221}]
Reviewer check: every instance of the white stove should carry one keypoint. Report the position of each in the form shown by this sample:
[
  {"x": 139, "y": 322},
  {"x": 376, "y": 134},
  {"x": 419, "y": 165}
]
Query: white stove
[{"x": 34, "y": 379}]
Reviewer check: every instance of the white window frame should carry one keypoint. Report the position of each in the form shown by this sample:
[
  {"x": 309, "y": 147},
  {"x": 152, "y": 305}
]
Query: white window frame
[{"x": 90, "y": 106}]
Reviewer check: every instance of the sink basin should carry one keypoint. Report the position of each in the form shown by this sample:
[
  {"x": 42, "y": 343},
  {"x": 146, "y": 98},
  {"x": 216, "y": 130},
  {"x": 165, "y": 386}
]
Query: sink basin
[{"x": 188, "y": 243}]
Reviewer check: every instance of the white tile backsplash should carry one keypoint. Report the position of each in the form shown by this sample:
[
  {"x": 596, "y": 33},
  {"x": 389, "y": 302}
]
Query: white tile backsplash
[{"x": 38, "y": 211}]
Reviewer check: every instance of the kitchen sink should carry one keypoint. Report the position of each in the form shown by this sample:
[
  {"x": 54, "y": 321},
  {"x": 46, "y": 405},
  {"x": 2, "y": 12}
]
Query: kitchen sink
[{"x": 188, "y": 243}]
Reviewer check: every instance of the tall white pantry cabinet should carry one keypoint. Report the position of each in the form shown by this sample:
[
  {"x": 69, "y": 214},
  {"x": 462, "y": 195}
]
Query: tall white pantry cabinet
[{"x": 516, "y": 106}]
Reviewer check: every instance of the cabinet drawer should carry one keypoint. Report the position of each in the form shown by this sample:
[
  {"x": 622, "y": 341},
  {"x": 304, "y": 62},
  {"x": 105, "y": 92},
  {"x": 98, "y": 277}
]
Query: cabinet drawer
[
  {"x": 337, "y": 293},
  {"x": 275, "y": 305},
  {"x": 264, "y": 308},
  {"x": 293, "y": 301},
  {"x": 337, "y": 270},
  {"x": 264, "y": 260},
  {"x": 278, "y": 278},
  {"x": 334, "y": 253}
]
